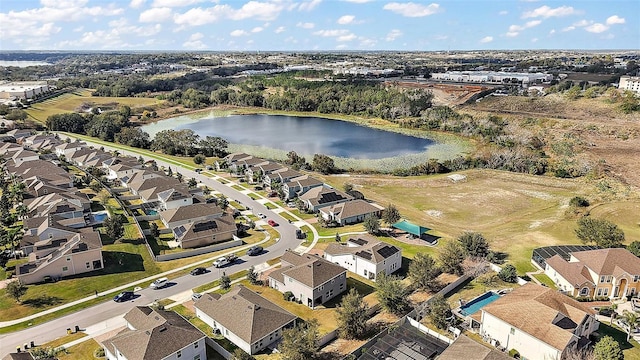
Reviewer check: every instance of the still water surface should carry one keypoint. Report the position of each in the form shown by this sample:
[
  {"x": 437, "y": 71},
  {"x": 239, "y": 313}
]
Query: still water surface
[{"x": 304, "y": 135}]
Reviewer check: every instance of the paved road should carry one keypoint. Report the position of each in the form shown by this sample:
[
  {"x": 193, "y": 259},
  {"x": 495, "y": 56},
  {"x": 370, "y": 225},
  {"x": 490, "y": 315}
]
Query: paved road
[{"x": 110, "y": 310}]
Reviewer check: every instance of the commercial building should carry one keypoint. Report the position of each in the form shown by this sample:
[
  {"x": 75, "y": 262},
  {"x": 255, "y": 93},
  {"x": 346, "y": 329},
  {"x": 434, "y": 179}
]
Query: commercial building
[{"x": 22, "y": 89}]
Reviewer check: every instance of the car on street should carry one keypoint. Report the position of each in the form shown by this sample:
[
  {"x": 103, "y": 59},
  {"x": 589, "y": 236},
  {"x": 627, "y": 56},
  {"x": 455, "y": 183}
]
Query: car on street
[
  {"x": 198, "y": 170},
  {"x": 225, "y": 260},
  {"x": 291, "y": 204},
  {"x": 196, "y": 296},
  {"x": 123, "y": 296},
  {"x": 254, "y": 250},
  {"x": 159, "y": 283},
  {"x": 262, "y": 216},
  {"x": 272, "y": 223},
  {"x": 198, "y": 271}
]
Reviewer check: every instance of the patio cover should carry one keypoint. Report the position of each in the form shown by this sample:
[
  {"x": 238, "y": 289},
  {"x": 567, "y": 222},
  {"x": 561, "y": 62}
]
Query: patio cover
[{"x": 413, "y": 229}]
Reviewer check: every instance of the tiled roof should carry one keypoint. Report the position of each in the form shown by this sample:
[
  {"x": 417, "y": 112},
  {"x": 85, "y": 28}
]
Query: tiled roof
[
  {"x": 157, "y": 334},
  {"x": 245, "y": 313},
  {"x": 541, "y": 312}
]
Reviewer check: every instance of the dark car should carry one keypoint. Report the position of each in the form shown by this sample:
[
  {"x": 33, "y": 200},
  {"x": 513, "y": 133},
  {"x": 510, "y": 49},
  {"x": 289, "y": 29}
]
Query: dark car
[
  {"x": 254, "y": 250},
  {"x": 123, "y": 296},
  {"x": 198, "y": 271}
]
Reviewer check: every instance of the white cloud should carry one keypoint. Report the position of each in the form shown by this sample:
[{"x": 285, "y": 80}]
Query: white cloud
[
  {"x": 553, "y": 31},
  {"x": 257, "y": 29},
  {"x": 547, "y": 12},
  {"x": 568, "y": 28},
  {"x": 486, "y": 39},
  {"x": 174, "y": 3},
  {"x": 195, "y": 42},
  {"x": 332, "y": 33},
  {"x": 347, "y": 37},
  {"x": 393, "y": 34},
  {"x": 534, "y": 40},
  {"x": 279, "y": 30},
  {"x": 514, "y": 30},
  {"x": 156, "y": 15},
  {"x": 597, "y": 28},
  {"x": 199, "y": 16},
  {"x": 239, "y": 33},
  {"x": 252, "y": 9},
  {"x": 367, "y": 43},
  {"x": 259, "y": 10},
  {"x": 615, "y": 19},
  {"x": 358, "y": 1},
  {"x": 503, "y": 12},
  {"x": 346, "y": 19},
  {"x": 136, "y": 3},
  {"x": 307, "y": 25},
  {"x": 512, "y": 33},
  {"x": 440, "y": 37},
  {"x": 412, "y": 9},
  {"x": 79, "y": 29},
  {"x": 582, "y": 23},
  {"x": 309, "y": 5}
]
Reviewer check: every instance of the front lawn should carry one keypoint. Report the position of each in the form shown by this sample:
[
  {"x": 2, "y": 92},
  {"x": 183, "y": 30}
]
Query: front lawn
[
  {"x": 630, "y": 349},
  {"x": 545, "y": 280}
]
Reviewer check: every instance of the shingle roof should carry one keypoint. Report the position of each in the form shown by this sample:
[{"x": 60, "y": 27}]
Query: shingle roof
[
  {"x": 352, "y": 208},
  {"x": 308, "y": 269},
  {"x": 322, "y": 195},
  {"x": 190, "y": 212},
  {"x": 207, "y": 228},
  {"x": 541, "y": 312},
  {"x": 157, "y": 334},
  {"x": 369, "y": 248},
  {"x": 605, "y": 261},
  {"x": 245, "y": 313},
  {"x": 465, "y": 348},
  {"x": 574, "y": 272}
]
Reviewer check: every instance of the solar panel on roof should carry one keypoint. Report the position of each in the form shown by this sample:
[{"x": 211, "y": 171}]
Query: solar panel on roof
[
  {"x": 179, "y": 231},
  {"x": 387, "y": 251},
  {"x": 205, "y": 226},
  {"x": 364, "y": 254}
]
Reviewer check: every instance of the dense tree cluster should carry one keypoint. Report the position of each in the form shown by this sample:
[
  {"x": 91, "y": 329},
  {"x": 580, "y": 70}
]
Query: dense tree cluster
[{"x": 600, "y": 232}]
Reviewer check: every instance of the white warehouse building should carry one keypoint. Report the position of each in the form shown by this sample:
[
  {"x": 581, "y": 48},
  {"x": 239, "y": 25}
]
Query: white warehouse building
[
  {"x": 630, "y": 83},
  {"x": 22, "y": 89},
  {"x": 492, "y": 77}
]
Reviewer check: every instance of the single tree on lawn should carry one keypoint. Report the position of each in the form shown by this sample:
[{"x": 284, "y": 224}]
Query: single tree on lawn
[
  {"x": 225, "y": 282},
  {"x": 192, "y": 183},
  {"x": 601, "y": 232},
  {"x": 371, "y": 224},
  {"x": 199, "y": 159},
  {"x": 608, "y": 348},
  {"x": 352, "y": 316},
  {"x": 634, "y": 248},
  {"x": 113, "y": 227},
  {"x": 300, "y": 342},
  {"x": 450, "y": 257},
  {"x": 390, "y": 215},
  {"x": 16, "y": 289},
  {"x": 439, "y": 312},
  {"x": 475, "y": 244},
  {"x": 423, "y": 272},
  {"x": 392, "y": 294},
  {"x": 508, "y": 274},
  {"x": 631, "y": 319},
  {"x": 253, "y": 275}
]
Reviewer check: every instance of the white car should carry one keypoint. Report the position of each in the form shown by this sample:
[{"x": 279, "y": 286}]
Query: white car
[
  {"x": 262, "y": 216},
  {"x": 159, "y": 283}
]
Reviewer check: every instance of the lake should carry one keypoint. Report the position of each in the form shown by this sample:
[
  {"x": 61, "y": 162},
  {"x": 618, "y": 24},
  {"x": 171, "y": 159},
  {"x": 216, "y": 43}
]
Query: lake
[
  {"x": 257, "y": 134},
  {"x": 20, "y": 63}
]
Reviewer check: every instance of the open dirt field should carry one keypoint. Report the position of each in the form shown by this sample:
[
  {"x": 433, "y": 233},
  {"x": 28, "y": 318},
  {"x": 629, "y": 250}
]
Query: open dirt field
[
  {"x": 516, "y": 212},
  {"x": 443, "y": 94},
  {"x": 605, "y": 134}
]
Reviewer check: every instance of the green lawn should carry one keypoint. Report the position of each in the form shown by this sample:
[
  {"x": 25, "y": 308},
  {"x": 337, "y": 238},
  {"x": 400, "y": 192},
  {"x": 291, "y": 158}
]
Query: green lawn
[
  {"x": 83, "y": 351},
  {"x": 330, "y": 231},
  {"x": 545, "y": 280},
  {"x": 237, "y": 187},
  {"x": 253, "y": 196},
  {"x": 287, "y": 216},
  {"x": 269, "y": 206},
  {"x": 631, "y": 349}
]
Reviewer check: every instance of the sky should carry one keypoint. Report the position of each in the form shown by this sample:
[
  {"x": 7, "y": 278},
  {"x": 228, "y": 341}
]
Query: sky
[{"x": 318, "y": 25}]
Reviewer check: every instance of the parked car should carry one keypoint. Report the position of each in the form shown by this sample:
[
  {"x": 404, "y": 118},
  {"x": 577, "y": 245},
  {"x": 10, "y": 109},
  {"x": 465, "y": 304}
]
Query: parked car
[
  {"x": 159, "y": 283},
  {"x": 254, "y": 250},
  {"x": 300, "y": 234},
  {"x": 123, "y": 296},
  {"x": 272, "y": 223},
  {"x": 291, "y": 204},
  {"x": 198, "y": 170},
  {"x": 262, "y": 216},
  {"x": 225, "y": 260},
  {"x": 198, "y": 271},
  {"x": 196, "y": 296}
]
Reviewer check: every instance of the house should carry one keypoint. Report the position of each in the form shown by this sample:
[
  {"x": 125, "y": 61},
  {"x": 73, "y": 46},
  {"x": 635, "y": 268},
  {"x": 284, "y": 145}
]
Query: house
[
  {"x": 322, "y": 196},
  {"x": 8, "y": 148},
  {"x": 22, "y": 156},
  {"x": 350, "y": 212},
  {"x": 155, "y": 335},
  {"x": 47, "y": 227},
  {"x": 67, "y": 148},
  {"x": 262, "y": 170},
  {"x": 311, "y": 279},
  {"x": 205, "y": 232},
  {"x": 245, "y": 318},
  {"x": 173, "y": 197},
  {"x": 78, "y": 254},
  {"x": 538, "y": 322},
  {"x": 366, "y": 256},
  {"x": 189, "y": 213},
  {"x": 21, "y": 356},
  {"x": 612, "y": 273},
  {"x": 67, "y": 205},
  {"x": 465, "y": 348},
  {"x": 230, "y": 159},
  {"x": 281, "y": 176},
  {"x": 300, "y": 185}
]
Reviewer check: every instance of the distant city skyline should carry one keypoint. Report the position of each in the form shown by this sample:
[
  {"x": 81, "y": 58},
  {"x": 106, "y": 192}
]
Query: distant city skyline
[{"x": 317, "y": 25}]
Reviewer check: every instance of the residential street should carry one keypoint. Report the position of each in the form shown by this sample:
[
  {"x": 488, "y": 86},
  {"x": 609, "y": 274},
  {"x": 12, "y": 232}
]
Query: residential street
[{"x": 109, "y": 311}]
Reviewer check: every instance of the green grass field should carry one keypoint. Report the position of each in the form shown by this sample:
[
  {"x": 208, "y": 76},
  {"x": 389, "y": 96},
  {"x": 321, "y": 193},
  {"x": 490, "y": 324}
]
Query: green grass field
[{"x": 69, "y": 102}]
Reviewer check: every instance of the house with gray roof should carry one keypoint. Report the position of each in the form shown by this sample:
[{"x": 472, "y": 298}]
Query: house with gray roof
[
  {"x": 322, "y": 196},
  {"x": 230, "y": 159},
  {"x": 350, "y": 212},
  {"x": 366, "y": 256},
  {"x": 245, "y": 318},
  {"x": 299, "y": 185},
  {"x": 311, "y": 279},
  {"x": 156, "y": 335},
  {"x": 175, "y": 217}
]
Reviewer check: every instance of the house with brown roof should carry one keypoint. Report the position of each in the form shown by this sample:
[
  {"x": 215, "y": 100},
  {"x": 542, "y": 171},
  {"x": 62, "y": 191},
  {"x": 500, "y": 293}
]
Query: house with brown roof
[
  {"x": 322, "y": 196},
  {"x": 538, "y": 322},
  {"x": 466, "y": 348},
  {"x": 64, "y": 256},
  {"x": 230, "y": 159},
  {"x": 175, "y": 217},
  {"x": 205, "y": 232},
  {"x": 612, "y": 273},
  {"x": 245, "y": 318},
  {"x": 156, "y": 335},
  {"x": 67, "y": 205},
  {"x": 366, "y": 256},
  {"x": 311, "y": 279},
  {"x": 281, "y": 176},
  {"x": 21, "y": 356},
  {"x": 350, "y": 212}
]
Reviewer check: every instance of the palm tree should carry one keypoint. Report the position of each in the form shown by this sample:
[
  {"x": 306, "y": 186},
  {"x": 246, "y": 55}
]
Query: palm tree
[{"x": 631, "y": 319}]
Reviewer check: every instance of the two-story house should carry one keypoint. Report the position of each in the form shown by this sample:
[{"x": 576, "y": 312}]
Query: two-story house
[
  {"x": 245, "y": 318},
  {"x": 322, "y": 196},
  {"x": 350, "y": 212},
  {"x": 366, "y": 256},
  {"x": 311, "y": 279},
  {"x": 612, "y": 273},
  {"x": 538, "y": 322}
]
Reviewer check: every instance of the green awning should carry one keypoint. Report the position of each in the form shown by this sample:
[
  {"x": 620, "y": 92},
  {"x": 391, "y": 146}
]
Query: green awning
[{"x": 411, "y": 228}]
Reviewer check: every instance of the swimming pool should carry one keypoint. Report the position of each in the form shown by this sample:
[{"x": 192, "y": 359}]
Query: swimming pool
[
  {"x": 478, "y": 303},
  {"x": 151, "y": 212},
  {"x": 99, "y": 217}
]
